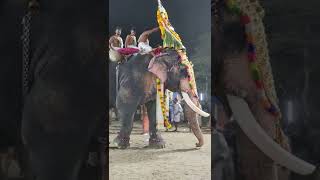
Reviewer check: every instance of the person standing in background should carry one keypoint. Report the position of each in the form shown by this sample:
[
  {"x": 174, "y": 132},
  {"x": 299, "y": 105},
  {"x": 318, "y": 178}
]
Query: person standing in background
[
  {"x": 131, "y": 40},
  {"x": 171, "y": 114},
  {"x": 177, "y": 110}
]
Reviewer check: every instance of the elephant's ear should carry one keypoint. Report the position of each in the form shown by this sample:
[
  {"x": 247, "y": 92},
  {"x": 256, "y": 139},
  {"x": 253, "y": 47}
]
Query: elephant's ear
[{"x": 158, "y": 68}]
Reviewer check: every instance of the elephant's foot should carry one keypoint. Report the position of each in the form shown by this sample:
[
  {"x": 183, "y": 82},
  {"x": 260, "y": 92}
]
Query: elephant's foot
[
  {"x": 156, "y": 141},
  {"x": 200, "y": 143},
  {"x": 121, "y": 142}
]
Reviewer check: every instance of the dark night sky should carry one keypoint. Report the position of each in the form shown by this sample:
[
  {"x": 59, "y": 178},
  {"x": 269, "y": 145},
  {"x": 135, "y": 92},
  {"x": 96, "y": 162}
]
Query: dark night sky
[{"x": 189, "y": 17}]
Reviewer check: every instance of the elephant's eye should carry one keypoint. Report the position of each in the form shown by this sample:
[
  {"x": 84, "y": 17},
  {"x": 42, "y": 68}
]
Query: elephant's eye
[
  {"x": 178, "y": 58},
  {"x": 184, "y": 72}
]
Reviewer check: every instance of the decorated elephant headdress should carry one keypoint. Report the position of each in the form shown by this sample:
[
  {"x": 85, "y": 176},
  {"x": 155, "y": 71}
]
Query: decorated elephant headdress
[
  {"x": 250, "y": 14},
  {"x": 171, "y": 40}
]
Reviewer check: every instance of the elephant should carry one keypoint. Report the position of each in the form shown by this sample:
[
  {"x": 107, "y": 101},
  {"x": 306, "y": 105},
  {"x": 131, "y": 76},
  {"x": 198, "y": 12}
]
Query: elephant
[
  {"x": 232, "y": 77},
  {"x": 65, "y": 107},
  {"x": 137, "y": 86}
]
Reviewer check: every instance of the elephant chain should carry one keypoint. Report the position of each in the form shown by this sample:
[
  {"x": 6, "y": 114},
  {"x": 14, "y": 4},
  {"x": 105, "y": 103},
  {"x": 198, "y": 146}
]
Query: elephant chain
[{"x": 26, "y": 24}]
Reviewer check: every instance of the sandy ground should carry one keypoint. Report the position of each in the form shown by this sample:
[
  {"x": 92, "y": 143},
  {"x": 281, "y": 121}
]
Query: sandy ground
[{"x": 179, "y": 160}]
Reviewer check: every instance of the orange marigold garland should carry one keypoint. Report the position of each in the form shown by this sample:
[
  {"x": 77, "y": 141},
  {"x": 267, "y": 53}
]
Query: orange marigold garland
[
  {"x": 189, "y": 66},
  {"x": 163, "y": 105},
  {"x": 171, "y": 39}
]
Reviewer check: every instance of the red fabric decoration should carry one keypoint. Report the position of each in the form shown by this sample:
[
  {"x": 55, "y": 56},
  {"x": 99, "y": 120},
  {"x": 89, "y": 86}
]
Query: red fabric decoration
[
  {"x": 259, "y": 84},
  {"x": 245, "y": 19},
  {"x": 128, "y": 51},
  {"x": 252, "y": 57},
  {"x": 157, "y": 51}
]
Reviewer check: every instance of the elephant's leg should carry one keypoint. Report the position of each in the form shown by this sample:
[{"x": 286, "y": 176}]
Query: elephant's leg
[
  {"x": 127, "y": 104},
  {"x": 56, "y": 144},
  {"x": 24, "y": 161},
  {"x": 54, "y": 156},
  {"x": 155, "y": 137}
]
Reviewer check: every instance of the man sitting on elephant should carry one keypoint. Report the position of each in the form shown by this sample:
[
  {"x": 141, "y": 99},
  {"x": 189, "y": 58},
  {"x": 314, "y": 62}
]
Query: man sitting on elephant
[
  {"x": 115, "y": 41},
  {"x": 144, "y": 41},
  {"x": 120, "y": 54},
  {"x": 115, "y": 44},
  {"x": 131, "y": 40}
]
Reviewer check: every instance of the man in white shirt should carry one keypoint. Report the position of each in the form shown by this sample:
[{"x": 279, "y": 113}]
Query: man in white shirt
[
  {"x": 144, "y": 41},
  {"x": 115, "y": 43},
  {"x": 177, "y": 111}
]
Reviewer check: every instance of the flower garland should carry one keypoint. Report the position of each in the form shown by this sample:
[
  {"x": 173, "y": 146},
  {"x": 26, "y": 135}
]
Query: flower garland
[
  {"x": 171, "y": 39},
  {"x": 164, "y": 108},
  {"x": 189, "y": 67},
  {"x": 252, "y": 57},
  {"x": 253, "y": 65}
]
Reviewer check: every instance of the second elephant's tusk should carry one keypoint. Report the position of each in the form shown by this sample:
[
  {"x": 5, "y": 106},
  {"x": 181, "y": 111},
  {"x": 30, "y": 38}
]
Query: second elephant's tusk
[
  {"x": 263, "y": 141},
  {"x": 193, "y": 106}
]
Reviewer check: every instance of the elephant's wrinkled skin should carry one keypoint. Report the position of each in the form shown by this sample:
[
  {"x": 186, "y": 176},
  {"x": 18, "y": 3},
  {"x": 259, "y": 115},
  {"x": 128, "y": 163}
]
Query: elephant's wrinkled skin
[
  {"x": 138, "y": 86},
  {"x": 67, "y": 101},
  {"x": 11, "y": 12},
  {"x": 10, "y": 71}
]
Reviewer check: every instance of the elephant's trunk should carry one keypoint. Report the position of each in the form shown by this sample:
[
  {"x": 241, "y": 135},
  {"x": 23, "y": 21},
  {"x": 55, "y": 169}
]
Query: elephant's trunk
[{"x": 191, "y": 116}]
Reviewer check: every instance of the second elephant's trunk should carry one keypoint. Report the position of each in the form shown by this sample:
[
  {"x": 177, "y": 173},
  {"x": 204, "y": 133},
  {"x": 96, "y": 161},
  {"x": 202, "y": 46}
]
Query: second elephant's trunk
[
  {"x": 190, "y": 114},
  {"x": 192, "y": 118}
]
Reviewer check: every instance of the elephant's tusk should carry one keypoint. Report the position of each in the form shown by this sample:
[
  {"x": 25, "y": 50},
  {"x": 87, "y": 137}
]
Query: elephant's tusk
[
  {"x": 193, "y": 106},
  {"x": 264, "y": 142}
]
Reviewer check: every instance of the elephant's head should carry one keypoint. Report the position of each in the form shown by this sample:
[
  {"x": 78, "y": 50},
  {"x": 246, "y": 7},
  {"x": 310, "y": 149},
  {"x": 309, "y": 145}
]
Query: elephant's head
[
  {"x": 168, "y": 68},
  {"x": 229, "y": 44}
]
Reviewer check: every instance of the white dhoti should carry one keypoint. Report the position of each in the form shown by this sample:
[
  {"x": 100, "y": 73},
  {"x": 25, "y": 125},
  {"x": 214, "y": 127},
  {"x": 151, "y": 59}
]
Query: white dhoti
[
  {"x": 132, "y": 46},
  {"x": 144, "y": 47},
  {"x": 177, "y": 110},
  {"x": 114, "y": 55}
]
